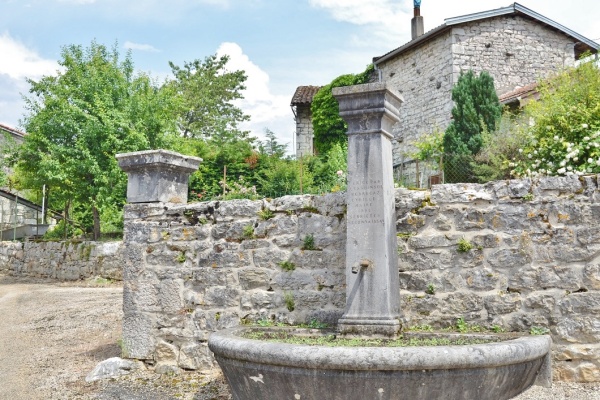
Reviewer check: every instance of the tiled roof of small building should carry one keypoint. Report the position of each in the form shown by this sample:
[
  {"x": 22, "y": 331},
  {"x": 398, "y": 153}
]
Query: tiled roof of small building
[
  {"x": 582, "y": 44},
  {"x": 518, "y": 94},
  {"x": 12, "y": 131},
  {"x": 304, "y": 95}
]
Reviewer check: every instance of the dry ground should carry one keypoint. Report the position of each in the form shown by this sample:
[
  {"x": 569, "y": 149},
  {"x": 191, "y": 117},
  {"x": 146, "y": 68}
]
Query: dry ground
[{"x": 53, "y": 334}]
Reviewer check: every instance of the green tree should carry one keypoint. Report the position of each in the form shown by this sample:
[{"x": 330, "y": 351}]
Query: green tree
[
  {"x": 476, "y": 108},
  {"x": 500, "y": 150},
  {"x": 564, "y": 125},
  {"x": 271, "y": 147},
  {"x": 77, "y": 121},
  {"x": 206, "y": 92},
  {"x": 329, "y": 127}
]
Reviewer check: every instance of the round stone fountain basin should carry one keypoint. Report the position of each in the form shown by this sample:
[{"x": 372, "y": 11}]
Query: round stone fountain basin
[{"x": 262, "y": 370}]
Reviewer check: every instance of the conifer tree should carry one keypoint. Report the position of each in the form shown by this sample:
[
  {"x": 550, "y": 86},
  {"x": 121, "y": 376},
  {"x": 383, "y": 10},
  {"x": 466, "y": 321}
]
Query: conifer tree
[{"x": 476, "y": 108}]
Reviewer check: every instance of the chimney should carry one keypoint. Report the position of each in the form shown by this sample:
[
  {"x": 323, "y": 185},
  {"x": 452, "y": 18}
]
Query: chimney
[{"x": 418, "y": 28}]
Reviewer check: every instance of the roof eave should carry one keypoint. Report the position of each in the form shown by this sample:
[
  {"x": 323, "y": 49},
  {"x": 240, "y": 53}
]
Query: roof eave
[
  {"x": 512, "y": 9},
  {"x": 413, "y": 43},
  {"x": 581, "y": 39}
]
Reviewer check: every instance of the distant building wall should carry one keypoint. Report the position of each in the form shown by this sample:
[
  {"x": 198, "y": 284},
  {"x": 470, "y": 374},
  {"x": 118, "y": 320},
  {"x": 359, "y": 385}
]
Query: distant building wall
[
  {"x": 423, "y": 76},
  {"x": 516, "y": 51},
  {"x": 304, "y": 131}
]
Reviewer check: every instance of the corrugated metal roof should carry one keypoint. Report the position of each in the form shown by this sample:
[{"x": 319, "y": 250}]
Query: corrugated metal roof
[
  {"x": 582, "y": 43},
  {"x": 304, "y": 95}
]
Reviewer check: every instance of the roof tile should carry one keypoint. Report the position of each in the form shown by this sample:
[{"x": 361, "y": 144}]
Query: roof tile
[{"x": 304, "y": 95}]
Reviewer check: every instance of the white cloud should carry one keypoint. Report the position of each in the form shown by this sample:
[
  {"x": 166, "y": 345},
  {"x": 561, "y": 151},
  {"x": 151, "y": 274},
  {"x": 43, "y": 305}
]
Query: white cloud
[
  {"x": 382, "y": 18},
  {"x": 16, "y": 64},
  {"x": 142, "y": 47},
  {"x": 19, "y": 62},
  {"x": 266, "y": 110}
]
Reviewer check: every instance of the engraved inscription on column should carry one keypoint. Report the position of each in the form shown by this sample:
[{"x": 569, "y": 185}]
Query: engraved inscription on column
[{"x": 365, "y": 198}]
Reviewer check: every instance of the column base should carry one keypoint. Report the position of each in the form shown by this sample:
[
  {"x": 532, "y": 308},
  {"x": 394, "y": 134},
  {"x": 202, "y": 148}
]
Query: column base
[{"x": 387, "y": 328}]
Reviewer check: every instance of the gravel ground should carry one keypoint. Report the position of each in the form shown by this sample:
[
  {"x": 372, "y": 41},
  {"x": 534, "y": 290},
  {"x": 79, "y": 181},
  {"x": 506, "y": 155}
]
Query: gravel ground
[{"x": 53, "y": 334}]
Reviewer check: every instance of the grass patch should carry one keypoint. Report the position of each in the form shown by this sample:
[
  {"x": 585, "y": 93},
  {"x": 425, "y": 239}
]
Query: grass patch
[
  {"x": 248, "y": 232},
  {"x": 332, "y": 340},
  {"x": 290, "y": 304}
]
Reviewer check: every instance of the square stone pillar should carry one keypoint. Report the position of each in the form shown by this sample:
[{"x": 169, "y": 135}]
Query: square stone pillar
[
  {"x": 157, "y": 175},
  {"x": 372, "y": 287}
]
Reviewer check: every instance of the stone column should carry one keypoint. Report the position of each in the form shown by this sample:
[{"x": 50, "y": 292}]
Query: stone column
[
  {"x": 153, "y": 177},
  {"x": 157, "y": 175},
  {"x": 372, "y": 287}
]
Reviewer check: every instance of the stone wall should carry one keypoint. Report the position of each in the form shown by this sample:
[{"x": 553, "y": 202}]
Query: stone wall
[
  {"x": 514, "y": 50},
  {"x": 304, "y": 131},
  {"x": 62, "y": 260},
  {"x": 531, "y": 259}
]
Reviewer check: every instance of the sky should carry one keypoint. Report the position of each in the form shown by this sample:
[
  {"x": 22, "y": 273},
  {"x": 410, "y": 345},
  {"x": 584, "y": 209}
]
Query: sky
[{"x": 281, "y": 44}]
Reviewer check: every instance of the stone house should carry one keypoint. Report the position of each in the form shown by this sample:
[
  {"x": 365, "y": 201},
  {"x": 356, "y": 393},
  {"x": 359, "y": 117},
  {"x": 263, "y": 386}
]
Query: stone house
[
  {"x": 19, "y": 217},
  {"x": 516, "y": 45},
  {"x": 304, "y": 130},
  {"x": 7, "y": 133}
]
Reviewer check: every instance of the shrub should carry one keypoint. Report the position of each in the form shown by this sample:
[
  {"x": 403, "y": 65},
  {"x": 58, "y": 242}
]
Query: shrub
[{"x": 564, "y": 125}]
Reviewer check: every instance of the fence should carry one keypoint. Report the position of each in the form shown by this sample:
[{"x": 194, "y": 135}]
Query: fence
[{"x": 449, "y": 168}]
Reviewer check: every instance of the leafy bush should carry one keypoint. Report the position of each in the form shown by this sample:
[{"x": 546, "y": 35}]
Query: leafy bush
[
  {"x": 564, "y": 125},
  {"x": 500, "y": 149}
]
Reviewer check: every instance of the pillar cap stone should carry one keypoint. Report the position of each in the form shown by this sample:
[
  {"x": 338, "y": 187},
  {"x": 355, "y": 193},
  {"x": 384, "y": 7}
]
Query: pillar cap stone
[
  {"x": 157, "y": 175},
  {"x": 369, "y": 108},
  {"x": 155, "y": 158}
]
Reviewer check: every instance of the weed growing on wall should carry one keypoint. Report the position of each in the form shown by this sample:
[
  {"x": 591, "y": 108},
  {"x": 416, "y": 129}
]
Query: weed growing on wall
[
  {"x": 308, "y": 243},
  {"x": 464, "y": 245},
  {"x": 287, "y": 265},
  {"x": 288, "y": 298},
  {"x": 266, "y": 214},
  {"x": 248, "y": 232}
]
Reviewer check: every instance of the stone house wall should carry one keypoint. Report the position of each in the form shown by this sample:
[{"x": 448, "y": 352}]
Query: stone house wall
[
  {"x": 534, "y": 261},
  {"x": 67, "y": 261},
  {"x": 9, "y": 216},
  {"x": 304, "y": 131},
  {"x": 514, "y": 50},
  {"x": 424, "y": 77}
]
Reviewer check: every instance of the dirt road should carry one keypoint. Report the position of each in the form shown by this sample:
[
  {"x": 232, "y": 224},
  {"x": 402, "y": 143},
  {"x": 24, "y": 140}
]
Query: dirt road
[{"x": 53, "y": 334}]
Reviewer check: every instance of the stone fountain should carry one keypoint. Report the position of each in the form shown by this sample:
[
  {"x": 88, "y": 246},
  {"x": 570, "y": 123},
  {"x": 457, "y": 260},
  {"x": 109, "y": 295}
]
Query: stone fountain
[{"x": 266, "y": 370}]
